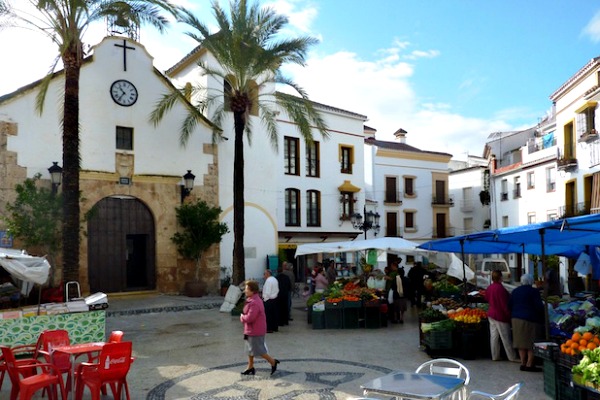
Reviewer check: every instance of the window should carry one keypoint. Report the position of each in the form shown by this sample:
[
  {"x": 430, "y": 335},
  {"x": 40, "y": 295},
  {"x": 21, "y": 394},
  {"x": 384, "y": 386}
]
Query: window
[
  {"x": 346, "y": 159},
  {"x": 409, "y": 220},
  {"x": 550, "y": 179},
  {"x": 504, "y": 190},
  {"x": 504, "y": 221},
  {"x": 586, "y": 119},
  {"x": 552, "y": 215},
  {"x": 291, "y": 157},
  {"x": 391, "y": 190},
  {"x": 292, "y": 207},
  {"x": 531, "y": 180},
  {"x": 124, "y": 138},
  {"x": 347, "y": 205},
  {"x": 517, "y": 191},
  {"x": 312, "y": 159},
  {"x": 409, "y": 186},
  {"x": 313, "y": 208},
  {"x": 531, "y": 218}
]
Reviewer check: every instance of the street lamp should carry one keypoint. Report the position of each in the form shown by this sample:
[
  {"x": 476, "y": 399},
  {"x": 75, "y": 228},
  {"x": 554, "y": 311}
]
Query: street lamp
[
  {"x": 55, "y": 176},
  {"x": 371, "y": 221},
  {"x": 188, "y": 185}
]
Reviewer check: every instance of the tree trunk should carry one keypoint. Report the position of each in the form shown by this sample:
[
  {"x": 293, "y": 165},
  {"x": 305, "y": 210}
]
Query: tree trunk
[
  {"x": 70, "y": 179},
  {"x": 239, "y": 268}
]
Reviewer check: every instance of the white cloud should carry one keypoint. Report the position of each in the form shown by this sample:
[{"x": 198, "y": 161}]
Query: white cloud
[
  {"x": 592, "y": 29},
  {"x": 382, "y": 90}
]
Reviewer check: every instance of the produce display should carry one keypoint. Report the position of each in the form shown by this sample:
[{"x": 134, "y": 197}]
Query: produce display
[
  {"x": 579, "y": 342},
  {"x": 467, "y": 315},
  {"x": 587, "y": 372},
  {"x": 574, "y": 316}
]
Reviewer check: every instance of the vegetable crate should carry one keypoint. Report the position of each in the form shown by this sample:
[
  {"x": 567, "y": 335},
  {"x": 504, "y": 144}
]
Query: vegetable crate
[
  {"x": 546, "y": 351},
  {"x": 438, "y": 340},
  {"x": 550, "y": 378},
  {"x": 564, "y": 385}
]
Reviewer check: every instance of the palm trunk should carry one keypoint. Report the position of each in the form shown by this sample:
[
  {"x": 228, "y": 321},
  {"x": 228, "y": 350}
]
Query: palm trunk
[
  {"x": 239, "y": 268},
  {"x": 70, "y": 180}
]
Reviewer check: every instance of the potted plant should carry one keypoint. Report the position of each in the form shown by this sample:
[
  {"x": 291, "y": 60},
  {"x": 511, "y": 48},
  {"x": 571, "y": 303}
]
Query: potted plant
[
  {"x": 225, "y": 280},
  {"x": 200, "y": 229}
]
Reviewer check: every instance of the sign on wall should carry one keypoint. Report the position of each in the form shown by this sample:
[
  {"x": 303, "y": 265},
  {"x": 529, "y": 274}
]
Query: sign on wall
[{"x": 6, "y": 239}]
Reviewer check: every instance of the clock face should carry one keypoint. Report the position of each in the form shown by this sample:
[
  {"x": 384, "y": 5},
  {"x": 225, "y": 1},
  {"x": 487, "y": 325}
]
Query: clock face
[{"x": 123, "y": 92}]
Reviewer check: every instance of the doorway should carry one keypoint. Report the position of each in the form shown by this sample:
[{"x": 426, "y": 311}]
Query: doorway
[{"x": 121, "y": 246}]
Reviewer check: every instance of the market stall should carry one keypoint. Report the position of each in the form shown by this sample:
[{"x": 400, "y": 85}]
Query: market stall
[{"x": 23, "y": 325}]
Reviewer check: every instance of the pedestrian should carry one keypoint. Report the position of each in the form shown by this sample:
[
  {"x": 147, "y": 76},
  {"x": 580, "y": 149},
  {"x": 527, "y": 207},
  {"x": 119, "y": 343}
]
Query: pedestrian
[
  {"x": 499, "y": 318},
  {"x": 526, "y": 310},
  {"x": 288, "y": 270},
  {"x": 283, "y": 297},
  {"x": 321, "y": 281},
  {"x": 255, "y": 326},
  {"x": 416, "y": 275},
  {"x": 331, "y": 273},
  {"x": 269, "y": 295}
]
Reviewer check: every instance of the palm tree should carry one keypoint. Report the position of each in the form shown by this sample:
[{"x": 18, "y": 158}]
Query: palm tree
[
  {"x": 65, "y": 23},
  {"x": 250, "y": 55}
]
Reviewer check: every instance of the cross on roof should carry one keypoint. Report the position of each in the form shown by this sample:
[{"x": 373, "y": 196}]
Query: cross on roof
[{"x": 125, "y": 48}]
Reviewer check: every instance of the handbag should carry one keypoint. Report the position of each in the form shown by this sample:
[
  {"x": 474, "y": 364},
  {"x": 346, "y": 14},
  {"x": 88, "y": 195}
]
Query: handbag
[
  {"x": 391, "y": 296},
  {"x": 399, "y": 286}
]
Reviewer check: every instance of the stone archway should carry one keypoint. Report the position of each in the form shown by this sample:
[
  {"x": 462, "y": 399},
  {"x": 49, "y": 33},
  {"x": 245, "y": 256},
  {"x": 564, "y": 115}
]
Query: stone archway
[{"x": 121, "y": 246}]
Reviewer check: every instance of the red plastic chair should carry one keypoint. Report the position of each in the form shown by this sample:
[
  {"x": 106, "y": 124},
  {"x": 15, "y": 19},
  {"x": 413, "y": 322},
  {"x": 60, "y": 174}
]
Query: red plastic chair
[
  {"x": 50, "y": 339},
  {"x": 113, "y": 365},
  {"x": 23, "y": 353},
  {"x": 26, "y": 379},
  {"x": 116, "y": 337}
]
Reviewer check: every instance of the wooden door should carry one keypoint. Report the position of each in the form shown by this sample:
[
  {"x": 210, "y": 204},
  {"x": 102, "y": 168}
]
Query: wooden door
[{"x": 121, "y": 246}]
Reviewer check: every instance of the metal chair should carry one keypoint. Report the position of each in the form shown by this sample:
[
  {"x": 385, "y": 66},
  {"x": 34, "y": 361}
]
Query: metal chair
[
  {"x": 510, "y": 394},
  {"x": 447, "y": 367}
]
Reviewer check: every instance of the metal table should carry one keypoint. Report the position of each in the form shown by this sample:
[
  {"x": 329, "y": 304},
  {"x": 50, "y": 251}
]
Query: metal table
[{"x": 409, "y": 385}]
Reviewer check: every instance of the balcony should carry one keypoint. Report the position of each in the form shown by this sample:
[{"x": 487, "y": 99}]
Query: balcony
[
  {"x": 439, "y": 233},
  {"x": 393, "y": 231},
  {"x": 516, "y": 193},
  {"x": 589, "y": 136},
  {"x": 503, "y": 196},
  {"x": 393, "y": 198},
  {"x": 572, "y": 210},
  {"x": 442, "y": 200},
  {"x": 566, "y": 164}
]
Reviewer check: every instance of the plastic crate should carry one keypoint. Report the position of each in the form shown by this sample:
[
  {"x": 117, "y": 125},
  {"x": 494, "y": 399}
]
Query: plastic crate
[
  {"x": 333, "y": 317},
  {"x": 438, "y": 340},
  {"x": 550, "y": 378},
  {"x": 566, "y": 390},
  {"x": 568, "y": 361},
  {"x": 546, "y": 350},
  {"x": 350, "y": 318},
  {"x": 318, "y": 319},
  {"x": 352, "y": 304},
  {"x": 372, "y": 317}
]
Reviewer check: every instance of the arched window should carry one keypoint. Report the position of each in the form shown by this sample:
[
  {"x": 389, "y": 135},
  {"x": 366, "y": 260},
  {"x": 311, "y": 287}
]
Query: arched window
[
  {"x": 292, "y": 207},
  {"x": 313, "y": 208}
]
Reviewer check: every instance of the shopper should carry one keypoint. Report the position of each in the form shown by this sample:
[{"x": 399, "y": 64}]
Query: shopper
[
  {"x": 269, "y": 294},
  {"x": 416, "y": 275},
  {"x": 283, "y": 297},
  {"x": 527, "y": 310},
  {"x": 331, "y": 272},
  {"x": 321, "y": 281},
  {"x": 288, "y": 270},
  {"x": 255, "y": 326},
  {"x": 499, "y": 318}
]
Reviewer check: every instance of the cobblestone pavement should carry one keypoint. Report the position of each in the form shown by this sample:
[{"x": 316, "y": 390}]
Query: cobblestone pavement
[{"x": 186, "y": 349}]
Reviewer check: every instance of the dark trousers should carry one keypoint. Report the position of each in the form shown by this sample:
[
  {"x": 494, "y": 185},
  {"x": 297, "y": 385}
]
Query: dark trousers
[{"x": 272, "y": 315}]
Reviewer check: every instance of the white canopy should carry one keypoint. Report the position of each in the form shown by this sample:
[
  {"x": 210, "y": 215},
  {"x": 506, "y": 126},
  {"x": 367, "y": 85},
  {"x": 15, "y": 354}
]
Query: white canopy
[
  {"x": 453, "y": 264},
  {"x": 25, "y": 268},
  {"x": 393, "y": 245}
]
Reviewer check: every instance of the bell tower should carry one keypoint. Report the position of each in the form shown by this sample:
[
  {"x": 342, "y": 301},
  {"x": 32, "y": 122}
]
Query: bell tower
[{"x": 123, "y": 24}]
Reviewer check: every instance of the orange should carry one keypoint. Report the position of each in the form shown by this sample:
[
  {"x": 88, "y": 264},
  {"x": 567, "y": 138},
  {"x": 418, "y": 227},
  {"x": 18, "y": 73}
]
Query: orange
[
  {"x": 576, "y": 336},
  {"x": 591, "y": 346},
  {"x": 596, "y": 340},
  {"x": 583, "y": 343},
  {"x": 574, "y": 345},
  {"x": 569, "y": 342},
  {"x": 587, "y": 336}
]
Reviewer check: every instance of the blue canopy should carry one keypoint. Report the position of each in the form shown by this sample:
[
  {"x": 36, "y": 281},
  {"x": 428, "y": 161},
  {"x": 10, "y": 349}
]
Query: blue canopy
[{"x": 567, "y": 237}]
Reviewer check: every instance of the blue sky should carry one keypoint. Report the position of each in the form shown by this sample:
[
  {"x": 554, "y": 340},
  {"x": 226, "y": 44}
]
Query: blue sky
[{"x": 449, "y": 72}]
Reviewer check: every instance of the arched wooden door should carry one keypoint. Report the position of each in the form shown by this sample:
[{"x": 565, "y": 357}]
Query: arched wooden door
[{"x": 121, "y": 246}]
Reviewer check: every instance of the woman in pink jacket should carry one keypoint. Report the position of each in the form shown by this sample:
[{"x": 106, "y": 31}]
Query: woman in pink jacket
[{"x": 255, "y": 328}]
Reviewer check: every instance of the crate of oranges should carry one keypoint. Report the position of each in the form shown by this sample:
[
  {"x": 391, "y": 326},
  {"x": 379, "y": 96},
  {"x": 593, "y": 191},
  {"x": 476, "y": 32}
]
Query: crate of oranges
[{"x": 570, "y": 350}]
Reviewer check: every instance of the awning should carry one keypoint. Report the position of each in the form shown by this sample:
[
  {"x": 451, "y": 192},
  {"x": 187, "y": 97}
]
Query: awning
[
  {"x": 347, "y": 186},
  {"x": 24, "y": 267},
  {"x": 393, "y": 245}
]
